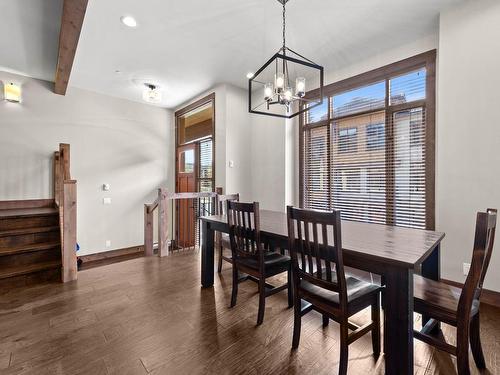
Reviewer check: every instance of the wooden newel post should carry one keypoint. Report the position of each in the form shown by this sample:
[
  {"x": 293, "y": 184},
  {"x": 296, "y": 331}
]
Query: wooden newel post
[
  {"x": 148, "y": 231},
  {"x": 69, "y": 265},
  {"x": 162, "y": 223}
]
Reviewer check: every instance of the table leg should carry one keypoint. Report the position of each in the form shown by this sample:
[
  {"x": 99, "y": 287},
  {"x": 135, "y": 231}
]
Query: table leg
[
  {"x": 207, "y": 255},
  {"x": 431, "y": 268},
  {"x": 398, "y": 330}
]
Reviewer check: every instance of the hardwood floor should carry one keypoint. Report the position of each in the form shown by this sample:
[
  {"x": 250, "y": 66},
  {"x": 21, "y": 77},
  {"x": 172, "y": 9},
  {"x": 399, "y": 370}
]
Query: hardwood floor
[{"x": 150, "y": 315}]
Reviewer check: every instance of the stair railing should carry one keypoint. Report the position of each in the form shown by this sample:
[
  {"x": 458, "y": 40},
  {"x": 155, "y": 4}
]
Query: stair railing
[
  {"x": 202, "y": 203},
  {"x": 65, "y": 199}
]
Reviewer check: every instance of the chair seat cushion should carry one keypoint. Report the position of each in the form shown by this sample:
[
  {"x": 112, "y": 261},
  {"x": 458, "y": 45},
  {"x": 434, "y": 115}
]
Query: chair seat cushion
[
  {"x": 438, "y": 300},
  {"x": 272, "y": 260},
  {"x": 355, "y": 289}
]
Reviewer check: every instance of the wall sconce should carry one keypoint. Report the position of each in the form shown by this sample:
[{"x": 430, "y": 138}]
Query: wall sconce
[{"x": 12, "y": 92}]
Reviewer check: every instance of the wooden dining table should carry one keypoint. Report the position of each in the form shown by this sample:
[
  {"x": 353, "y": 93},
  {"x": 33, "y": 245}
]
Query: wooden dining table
[{"x": 395, "y": 253}]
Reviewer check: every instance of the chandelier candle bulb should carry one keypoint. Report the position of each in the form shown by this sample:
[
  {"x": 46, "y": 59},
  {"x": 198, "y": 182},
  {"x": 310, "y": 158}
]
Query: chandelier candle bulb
[
  {"x": 268, "y": 91},
  {"x": 288, "y": 94},
  {"x": 300, "y": 87},
  {"x": 280, "y": 81}
]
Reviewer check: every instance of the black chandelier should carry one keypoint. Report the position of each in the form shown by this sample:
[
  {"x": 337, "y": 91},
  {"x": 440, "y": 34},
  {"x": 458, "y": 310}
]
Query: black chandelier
[{"x": 270, "y": 90}]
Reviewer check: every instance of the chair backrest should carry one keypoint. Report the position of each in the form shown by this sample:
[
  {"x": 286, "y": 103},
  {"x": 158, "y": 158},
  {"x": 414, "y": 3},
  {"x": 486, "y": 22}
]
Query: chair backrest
[
  {"x": 315, "y": 257},
  {"x": 244, "y": 230},
  {"x": 220, "y": 208},
  {"x": 483, "y": 246}
]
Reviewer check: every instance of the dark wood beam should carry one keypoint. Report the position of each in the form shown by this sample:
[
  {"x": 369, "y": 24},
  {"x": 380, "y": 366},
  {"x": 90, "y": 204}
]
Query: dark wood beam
[{"x": 71, "y": 24}]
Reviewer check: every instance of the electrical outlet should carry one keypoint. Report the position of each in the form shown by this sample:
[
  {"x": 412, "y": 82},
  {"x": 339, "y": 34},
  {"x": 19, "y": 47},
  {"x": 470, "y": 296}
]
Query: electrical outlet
[
  {"x": 108, "y": 243},
  {"x": 466, "y": 268}
]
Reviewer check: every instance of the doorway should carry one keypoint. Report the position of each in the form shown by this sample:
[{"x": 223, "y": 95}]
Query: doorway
[{"x": 195, "y": 129}]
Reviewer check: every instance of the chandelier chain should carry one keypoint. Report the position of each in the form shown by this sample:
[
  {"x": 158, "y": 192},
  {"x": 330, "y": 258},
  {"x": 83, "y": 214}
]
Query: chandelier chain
[{"x": 284, "y": 26}]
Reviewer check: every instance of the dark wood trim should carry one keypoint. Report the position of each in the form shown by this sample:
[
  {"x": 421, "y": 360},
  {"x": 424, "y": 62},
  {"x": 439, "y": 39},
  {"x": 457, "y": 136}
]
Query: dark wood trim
[
  {"x": 427, "y": 60},
  {"x": 198, "y": 103},
  {"x": 112, "y": 256},
  {"x": 488, "y": 297},
  {"x": 71, "y": 25},
  {"x": 27, "y": 203}
]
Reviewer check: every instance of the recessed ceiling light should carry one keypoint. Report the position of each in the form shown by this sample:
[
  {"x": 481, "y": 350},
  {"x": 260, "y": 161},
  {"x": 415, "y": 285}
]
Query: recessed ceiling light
[
  {"x": 250, "y": 75},
  {"x": 128, "y": 21}
]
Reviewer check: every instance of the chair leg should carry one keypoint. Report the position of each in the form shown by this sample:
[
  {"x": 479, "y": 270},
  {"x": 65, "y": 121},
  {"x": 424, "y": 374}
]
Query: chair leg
[
  {"x": 262, "y": 300},
  {"x": 326, "y": 320},
  {"x": 344, "y": 349},
  {"x": 290, "y": 288},
  {"x": 234, "y": 293},
  {"x": 463, "y": 351},
  {"x": 475, "y": 342},
  {"x": 297, "y": 319},
  {"x": 219, "y": 268},
  {"x": 376, "y": 326}
]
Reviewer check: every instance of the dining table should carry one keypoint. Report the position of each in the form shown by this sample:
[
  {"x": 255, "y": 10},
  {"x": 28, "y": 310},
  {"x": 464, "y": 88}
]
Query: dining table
[{"x": 395, "y": 253}]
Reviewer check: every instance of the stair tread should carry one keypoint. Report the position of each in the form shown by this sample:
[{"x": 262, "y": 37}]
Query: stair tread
[
  {"x": 28, "y": 212},
  {"x": 28, "y": 268},
  {"x": 20, "y": 231},
  {"x": 29, "y": 248}
]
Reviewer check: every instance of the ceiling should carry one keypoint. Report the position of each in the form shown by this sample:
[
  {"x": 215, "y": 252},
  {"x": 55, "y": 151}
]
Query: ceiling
[{"x": 188, "y": 46}]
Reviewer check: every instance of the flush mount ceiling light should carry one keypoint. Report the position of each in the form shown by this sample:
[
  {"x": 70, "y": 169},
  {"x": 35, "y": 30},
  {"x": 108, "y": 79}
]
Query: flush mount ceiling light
[
  {"x": 151, "y": 93},
  {"x": 12, "y": 92},
  {"x": 278, "y": 88},
  {"x": 128, "y": 21}
]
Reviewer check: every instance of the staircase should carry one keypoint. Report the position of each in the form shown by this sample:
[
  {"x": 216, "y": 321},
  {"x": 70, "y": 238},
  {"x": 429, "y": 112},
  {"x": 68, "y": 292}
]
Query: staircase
[
  {"x": 38, "y": 237},
  {"x": 30, "y": 243}
]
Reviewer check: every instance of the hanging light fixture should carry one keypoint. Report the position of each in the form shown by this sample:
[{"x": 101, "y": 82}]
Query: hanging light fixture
[{"x": 284, "y": 79}]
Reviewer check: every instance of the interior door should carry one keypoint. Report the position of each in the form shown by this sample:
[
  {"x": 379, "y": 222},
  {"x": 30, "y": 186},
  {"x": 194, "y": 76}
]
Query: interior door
[{"x": 187, "y": 170}]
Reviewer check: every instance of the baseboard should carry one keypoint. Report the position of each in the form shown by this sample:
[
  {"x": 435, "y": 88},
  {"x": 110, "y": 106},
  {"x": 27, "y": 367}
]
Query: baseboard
[
  {"x": 109, "y": 257},
  {"x": 26, "y": 203},
  {"x": 489, "y": 297}
]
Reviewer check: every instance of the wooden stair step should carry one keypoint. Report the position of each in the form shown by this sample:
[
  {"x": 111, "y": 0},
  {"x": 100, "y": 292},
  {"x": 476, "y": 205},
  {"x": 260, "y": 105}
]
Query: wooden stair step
[
  {"x": 28, "y": 268},
  {"x": 21, "y": 231},
  {"x": 29, "y": 248},
  {"x": 28, "y": 212}
]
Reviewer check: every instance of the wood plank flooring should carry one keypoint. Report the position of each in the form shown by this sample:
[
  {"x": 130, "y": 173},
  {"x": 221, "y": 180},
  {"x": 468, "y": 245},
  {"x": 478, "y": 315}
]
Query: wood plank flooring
[{"x": 150, "y": 316}]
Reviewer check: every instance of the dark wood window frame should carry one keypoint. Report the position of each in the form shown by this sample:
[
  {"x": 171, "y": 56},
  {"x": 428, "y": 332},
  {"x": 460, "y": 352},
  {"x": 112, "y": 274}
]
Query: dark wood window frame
[
  {"x": 427, "y": 60},
  {"x": 198, "y": 103}
]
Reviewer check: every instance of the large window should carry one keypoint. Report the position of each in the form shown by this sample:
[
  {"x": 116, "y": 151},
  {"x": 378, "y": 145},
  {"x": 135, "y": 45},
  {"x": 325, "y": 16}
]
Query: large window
[{"x": 369, "y": 149}]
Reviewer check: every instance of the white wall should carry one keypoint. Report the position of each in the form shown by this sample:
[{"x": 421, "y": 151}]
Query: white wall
[
  {"x": 112, "y": 141},
  {"x": 468, "y": 130},
  {"x": 232, "y": 139}
]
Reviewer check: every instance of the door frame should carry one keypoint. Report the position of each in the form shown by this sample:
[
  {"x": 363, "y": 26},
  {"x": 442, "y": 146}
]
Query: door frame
[{"x": 210, "y": 98}]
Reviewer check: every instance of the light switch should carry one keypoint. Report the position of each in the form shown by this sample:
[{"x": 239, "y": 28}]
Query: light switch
[
  {"x": 231, "y": 163},
  {"x": 106, "y": 200}
]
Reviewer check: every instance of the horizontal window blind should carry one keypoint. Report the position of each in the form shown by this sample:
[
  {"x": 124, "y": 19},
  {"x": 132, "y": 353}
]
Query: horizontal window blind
[{"x": 364, "y": 151}]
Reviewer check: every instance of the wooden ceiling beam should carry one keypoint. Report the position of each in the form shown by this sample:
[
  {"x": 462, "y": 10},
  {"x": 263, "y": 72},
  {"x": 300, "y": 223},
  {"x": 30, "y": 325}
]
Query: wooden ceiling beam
[{"x": 71, "y": 25}]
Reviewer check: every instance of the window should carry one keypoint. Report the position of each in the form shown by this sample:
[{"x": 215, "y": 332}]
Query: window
[
  {"x": 375, "y": 136},
  {"x": 348, "y": 140},
  {"x": 364, "y": 151}
]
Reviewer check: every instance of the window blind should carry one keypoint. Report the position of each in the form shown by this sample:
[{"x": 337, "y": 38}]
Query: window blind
[{"x": 364, "y": 151}]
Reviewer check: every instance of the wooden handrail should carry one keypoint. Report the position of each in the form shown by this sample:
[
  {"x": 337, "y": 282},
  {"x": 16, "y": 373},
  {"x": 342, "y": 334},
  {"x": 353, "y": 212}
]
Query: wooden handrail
[
  {"x": 161, "y": 202},
  {"x": 65, "y": 198}
]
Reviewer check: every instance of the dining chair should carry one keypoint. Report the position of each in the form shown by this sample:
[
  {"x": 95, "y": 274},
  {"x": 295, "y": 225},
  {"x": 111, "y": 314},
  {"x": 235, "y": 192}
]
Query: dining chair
[
  {"x": 458, "y": 307},
  {"x": 250, "y": 257},
  {"x": 319, "y": 279},
  {"x": 222, "y": 239}
]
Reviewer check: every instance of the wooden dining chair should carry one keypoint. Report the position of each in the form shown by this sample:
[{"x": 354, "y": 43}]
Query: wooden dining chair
[
  {"x": 319, "y": 279},
  {"x": 458, "y": 307},
  {"x": 250, "y": 257},
  {"x": 222, "y": 239}
]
